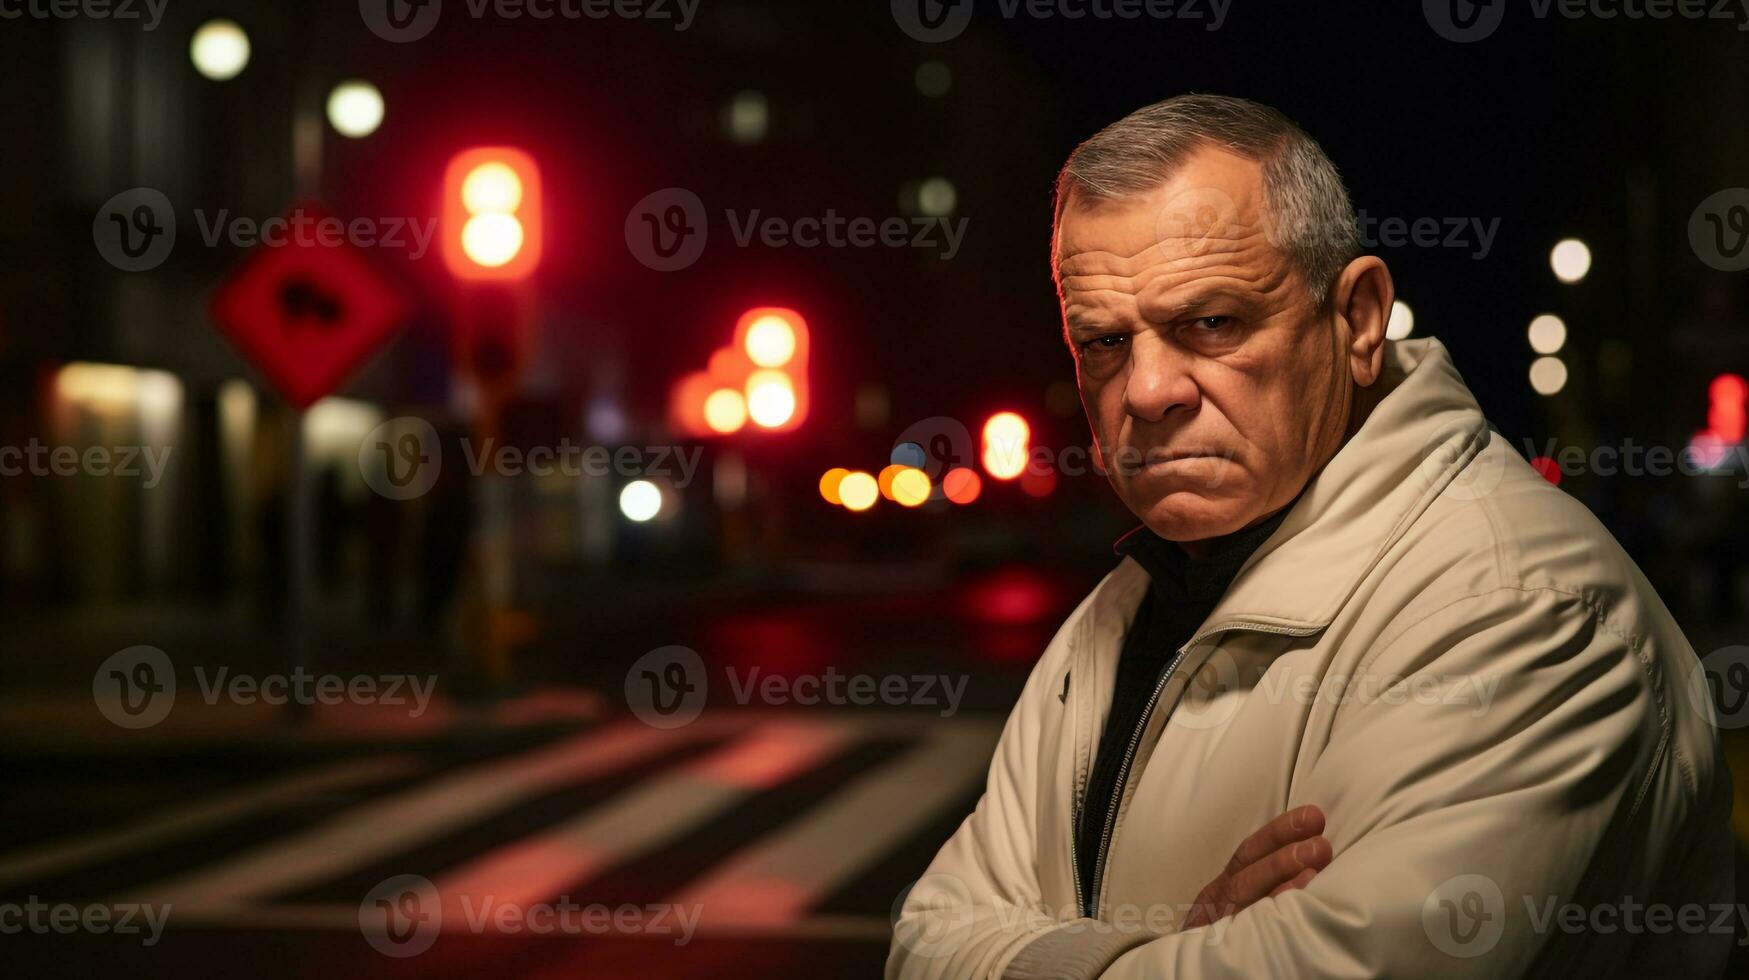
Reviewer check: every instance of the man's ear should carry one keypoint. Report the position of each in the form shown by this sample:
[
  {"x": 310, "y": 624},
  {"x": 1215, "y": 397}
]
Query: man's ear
[{"x": 1361, "y": 297}]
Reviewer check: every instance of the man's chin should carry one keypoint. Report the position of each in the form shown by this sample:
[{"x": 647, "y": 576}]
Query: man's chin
[{"x": 1187, "y": 515}]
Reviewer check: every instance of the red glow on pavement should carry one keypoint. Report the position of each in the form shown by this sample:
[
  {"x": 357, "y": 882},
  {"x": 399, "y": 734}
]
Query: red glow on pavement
[{"x": 1015, "y": 597}]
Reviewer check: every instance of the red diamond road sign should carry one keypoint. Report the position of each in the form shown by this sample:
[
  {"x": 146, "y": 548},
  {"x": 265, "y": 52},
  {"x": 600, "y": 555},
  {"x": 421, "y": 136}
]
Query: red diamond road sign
[{"x": 309, "y": 309}]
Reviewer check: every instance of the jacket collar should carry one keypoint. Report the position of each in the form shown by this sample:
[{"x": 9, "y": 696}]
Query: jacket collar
[{"x": 1418, "y": 438}]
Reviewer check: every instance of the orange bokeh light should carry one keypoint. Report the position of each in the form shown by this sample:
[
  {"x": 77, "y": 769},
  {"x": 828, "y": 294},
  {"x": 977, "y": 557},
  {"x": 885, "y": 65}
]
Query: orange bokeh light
[
  {"x": 829, "y": 482},
  {"x": 962, "y": 485}
]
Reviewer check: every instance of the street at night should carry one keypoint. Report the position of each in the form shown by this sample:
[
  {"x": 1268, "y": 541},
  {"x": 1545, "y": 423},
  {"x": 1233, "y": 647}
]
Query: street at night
[{"x": 925, "y": 489}]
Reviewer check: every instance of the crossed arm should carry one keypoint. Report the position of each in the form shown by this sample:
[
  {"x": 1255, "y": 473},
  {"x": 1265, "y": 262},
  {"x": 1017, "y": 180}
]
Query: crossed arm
[{"x": 1429, "y": 807}]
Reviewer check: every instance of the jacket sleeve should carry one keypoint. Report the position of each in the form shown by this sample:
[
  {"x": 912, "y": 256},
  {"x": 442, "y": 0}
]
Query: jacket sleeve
[
  {"x": 979, "y": 901},
  {"x": 1468, "y": 785}
]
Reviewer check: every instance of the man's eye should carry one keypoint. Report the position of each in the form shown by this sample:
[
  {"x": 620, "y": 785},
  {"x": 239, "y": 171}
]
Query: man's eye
[
  {"x": 1111, "y": 341},
  {"x": 1212, "y": 322}
]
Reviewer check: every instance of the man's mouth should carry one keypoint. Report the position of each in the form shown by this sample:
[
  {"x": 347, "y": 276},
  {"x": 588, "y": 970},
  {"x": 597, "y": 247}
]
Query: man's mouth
[{"x": 1136, "y": 461}]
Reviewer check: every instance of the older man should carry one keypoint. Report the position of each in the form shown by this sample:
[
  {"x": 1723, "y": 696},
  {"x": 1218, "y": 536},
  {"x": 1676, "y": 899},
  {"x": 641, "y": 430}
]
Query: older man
[{"x": 1459, "y": 714}]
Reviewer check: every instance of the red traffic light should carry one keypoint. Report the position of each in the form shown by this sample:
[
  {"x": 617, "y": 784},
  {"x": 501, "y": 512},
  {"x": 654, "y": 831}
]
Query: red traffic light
[{"x": 492, "y": 214}]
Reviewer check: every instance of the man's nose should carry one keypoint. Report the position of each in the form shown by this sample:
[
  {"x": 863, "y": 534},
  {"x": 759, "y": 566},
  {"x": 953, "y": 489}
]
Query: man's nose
[{"x": 1159, "y": 380}]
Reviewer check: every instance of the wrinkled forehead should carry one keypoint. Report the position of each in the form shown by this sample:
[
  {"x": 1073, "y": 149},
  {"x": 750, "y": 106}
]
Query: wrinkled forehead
[
  {"x": 1213, "y": 207},
  {"x": 1159, "y": 257}
]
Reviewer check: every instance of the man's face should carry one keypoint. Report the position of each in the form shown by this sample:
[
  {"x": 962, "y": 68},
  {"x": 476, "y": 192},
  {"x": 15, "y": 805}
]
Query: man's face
[{"x": 1214, "y": 387}]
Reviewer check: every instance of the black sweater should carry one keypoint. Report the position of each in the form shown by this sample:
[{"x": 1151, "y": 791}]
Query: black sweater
[{"x": 1184, "y": 591}]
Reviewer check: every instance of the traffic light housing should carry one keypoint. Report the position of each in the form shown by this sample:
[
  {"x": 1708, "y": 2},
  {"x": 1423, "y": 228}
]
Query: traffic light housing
[{"x": 492, "y": 215}]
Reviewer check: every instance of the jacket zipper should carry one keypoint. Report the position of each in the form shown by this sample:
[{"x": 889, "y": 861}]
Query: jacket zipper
[{"x": 1129, "y": 757}]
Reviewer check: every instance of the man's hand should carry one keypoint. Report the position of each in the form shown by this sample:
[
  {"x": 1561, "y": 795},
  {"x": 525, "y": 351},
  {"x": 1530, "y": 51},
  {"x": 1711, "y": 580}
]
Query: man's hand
[{"x": 1285, "y": 854}]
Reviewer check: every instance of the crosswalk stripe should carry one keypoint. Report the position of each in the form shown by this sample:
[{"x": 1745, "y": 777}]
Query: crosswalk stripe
[
  {"x": 774, "y": 882},
  {"x": 183, "y": 822},
  {"x": 542, "y": 867},
  {"x": 421, "y": 814}
]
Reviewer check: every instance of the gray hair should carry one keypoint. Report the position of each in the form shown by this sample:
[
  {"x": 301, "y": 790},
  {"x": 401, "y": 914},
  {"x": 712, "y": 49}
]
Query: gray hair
[{"x": 1313, "y": 218}]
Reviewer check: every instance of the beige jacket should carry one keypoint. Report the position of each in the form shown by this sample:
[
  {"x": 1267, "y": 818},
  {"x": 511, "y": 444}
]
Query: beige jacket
[{"x": 1501, "y": 721}]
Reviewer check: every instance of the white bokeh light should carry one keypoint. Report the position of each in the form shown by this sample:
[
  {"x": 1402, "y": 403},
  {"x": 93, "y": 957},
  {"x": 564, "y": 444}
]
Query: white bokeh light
[
  {"x": 219, "y": 49},
  {"x": 355, "y": 108},
  {"x": 1548, "y": 375},
  {"x": 1548, "y": 334},
  {"x": 1571, "y": 260},
  {"x": 640, "y": 500}
]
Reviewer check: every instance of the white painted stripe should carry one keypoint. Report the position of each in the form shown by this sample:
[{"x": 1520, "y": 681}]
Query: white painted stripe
[
  {"x": 542, "y": 868},
  {"x": 775, "y": 882},
  {"x": 179, "y": 823},
  {"x": 372, "y": 832}
]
